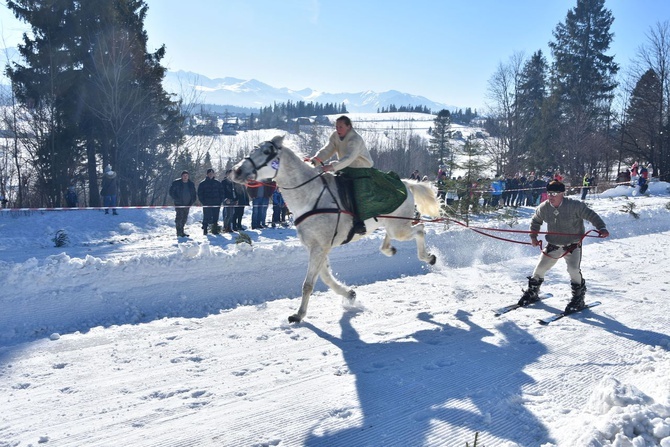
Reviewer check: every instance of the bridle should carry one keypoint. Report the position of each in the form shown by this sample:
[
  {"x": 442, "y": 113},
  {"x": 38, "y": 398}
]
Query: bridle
[
  {"x": 274, "y": 153},
  {"x": 269, "y": 160}
]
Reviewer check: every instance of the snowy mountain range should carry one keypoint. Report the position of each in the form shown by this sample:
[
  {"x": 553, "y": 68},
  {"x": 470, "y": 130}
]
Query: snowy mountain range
[
  {"x": 256, "y": 94},
  {"x": 197, "y": 88}
]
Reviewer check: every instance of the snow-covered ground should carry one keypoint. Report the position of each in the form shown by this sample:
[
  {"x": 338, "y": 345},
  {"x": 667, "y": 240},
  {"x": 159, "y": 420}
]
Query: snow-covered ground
[{"x": 126, "y": 337}]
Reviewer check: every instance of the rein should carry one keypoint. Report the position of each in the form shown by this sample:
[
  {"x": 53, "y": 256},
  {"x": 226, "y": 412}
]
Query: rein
[{"x": 483, "y": 231}]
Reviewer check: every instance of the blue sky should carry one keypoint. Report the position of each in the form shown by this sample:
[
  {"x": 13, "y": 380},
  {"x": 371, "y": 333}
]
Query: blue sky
[{"x": 445, "y": 50}]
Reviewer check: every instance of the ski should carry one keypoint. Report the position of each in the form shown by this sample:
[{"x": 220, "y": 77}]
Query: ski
[
  {"x": 511, "y": 307},
  {"x": 551, "y": 319}
]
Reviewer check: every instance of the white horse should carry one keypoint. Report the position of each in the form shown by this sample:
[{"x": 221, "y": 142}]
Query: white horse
[{"x": 322, "y": 221}]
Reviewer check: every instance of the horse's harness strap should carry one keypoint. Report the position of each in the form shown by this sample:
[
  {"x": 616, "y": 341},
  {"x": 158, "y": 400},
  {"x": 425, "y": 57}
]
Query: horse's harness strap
[{"x": 315, "y": 211}]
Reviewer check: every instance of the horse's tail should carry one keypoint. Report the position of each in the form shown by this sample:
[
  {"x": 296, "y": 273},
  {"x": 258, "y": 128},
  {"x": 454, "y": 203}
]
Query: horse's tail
[{"x": 424, "y": 198}]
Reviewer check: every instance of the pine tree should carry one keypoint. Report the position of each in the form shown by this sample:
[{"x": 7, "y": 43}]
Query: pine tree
[
  {"x": 439, "y": 142},
  {"x": 470, "y": 161},
  {"x": 583, "y": 78},
  {"x": 88, "y": 75},
  {"x": 48, "y": 85},
  {"x": 641, "y": 132},
  {"x": 531, "y": 97}
]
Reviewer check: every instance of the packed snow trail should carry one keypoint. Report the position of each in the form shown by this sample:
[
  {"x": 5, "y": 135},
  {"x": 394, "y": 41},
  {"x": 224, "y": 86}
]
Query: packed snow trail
[{"x": 188, "y": 345}]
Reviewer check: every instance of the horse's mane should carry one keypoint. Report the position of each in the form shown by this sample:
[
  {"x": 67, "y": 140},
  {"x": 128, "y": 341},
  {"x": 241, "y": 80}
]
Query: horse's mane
[{"x": 279, "y": 142}]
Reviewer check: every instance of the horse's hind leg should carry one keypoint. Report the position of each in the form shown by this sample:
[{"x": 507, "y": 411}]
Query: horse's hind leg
[
  {"x": 420, "y": 237},
  {"x": 317, "y": 258},
  {"x": 335, "y": 285},
  {"x": 387, "y": 248}
]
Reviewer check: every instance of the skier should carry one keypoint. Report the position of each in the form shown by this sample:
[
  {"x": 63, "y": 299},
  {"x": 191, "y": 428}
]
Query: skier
[{"x": 565, "y": 229}]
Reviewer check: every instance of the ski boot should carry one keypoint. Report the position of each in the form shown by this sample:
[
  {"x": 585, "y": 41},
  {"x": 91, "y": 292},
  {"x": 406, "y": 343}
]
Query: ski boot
[
  {"x": 531, "y": 294},
  {"x": 577, "y": 302}
]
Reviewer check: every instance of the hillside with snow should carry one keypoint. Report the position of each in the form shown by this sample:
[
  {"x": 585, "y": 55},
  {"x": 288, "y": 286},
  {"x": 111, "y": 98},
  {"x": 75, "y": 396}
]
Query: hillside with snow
[{"x": 128, "y": 336}]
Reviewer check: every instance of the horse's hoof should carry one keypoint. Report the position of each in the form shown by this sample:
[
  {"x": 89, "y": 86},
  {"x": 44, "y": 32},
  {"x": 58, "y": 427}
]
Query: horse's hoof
[
  {"x": 294, "y": 319},
  {"x": 352, "y": 296},
  {"x": 432, "y": 260},
  {"x": 393, "y": 251}
]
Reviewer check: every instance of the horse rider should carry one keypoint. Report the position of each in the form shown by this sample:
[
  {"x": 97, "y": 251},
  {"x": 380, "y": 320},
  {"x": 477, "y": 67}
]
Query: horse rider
[{"x": 351, "y": 153}]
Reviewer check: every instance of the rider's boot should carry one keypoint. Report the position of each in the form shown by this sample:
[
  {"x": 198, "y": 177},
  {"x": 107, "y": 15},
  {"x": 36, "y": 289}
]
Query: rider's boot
[
  {"x": 578, "y": 292},
  {"x": 359, "y": 226},
  {"x": 531, "y": 294}
]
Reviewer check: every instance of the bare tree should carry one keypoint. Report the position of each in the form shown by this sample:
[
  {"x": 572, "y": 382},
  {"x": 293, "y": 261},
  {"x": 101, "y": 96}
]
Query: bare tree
[
  {"x": 655, "y": 56},
  {"x": 502, "y": 93}
]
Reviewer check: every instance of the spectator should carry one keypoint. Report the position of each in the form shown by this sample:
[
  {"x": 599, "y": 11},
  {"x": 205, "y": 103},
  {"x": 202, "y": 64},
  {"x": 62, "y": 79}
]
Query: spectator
[
  {"x": 109, "y": 189},
  {"x": 643, "y": 180},
  {"x": 242, "y": 202},
  {"x": 415, "y": 176},
  {"x": 523, "y": 186},
  {"x": 229, "y": 202},
  {"x": 514, "y": 190},
  {"x": 539, "y": 186},
  {"x": 268, "y": 191},
  {"x": 484, "y": 185},
  {"x": 256, "y": 190},
  {"x": 71, "y": 197},
  {"x": 210, "y": 196},
  {"x": 441, "y": 185},
  {"x": 497, "y": 188},
  {"x": 623, "y": 177},
  {"x": 588, "y": 183},
  {"x": 278, "y": 208},
  {"x": 184, "y": 195},
  {"x": 634, "y": 173}
]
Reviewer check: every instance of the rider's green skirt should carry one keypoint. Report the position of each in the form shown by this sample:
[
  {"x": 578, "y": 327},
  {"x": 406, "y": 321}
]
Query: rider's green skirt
[{"x": 375, "y": 192}]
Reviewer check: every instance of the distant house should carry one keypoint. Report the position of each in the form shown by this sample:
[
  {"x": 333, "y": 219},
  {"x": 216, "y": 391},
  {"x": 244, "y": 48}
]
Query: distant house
[
  {"x": 322, "y": 120},
  {"x": 230, "y": 126},
  {"x": 304, "y": 124}
]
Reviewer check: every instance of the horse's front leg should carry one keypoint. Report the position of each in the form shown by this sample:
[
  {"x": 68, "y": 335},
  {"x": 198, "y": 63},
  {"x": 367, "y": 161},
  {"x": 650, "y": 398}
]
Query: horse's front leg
[{"x": 317, "y": 259}]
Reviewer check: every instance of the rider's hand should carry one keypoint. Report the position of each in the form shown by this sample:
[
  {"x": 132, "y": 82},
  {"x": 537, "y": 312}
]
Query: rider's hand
[
  {"x": 603, "y": 233},
  {"x": 315, "y": 161},
  {"x": 534, "y": 242},
  {"x": 327, "y": 168}
]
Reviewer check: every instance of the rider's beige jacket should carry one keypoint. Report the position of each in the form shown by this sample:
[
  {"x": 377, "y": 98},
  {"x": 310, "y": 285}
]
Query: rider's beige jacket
[{"x": 351, "y": 151}]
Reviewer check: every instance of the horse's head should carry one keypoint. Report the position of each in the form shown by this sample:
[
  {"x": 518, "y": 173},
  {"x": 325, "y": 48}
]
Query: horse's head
[{"x": 262, "y": 162}]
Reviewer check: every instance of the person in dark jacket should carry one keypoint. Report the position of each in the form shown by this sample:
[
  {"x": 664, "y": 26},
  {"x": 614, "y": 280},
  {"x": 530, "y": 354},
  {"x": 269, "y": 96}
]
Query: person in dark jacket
[
  {"x": 242, "y": 201},
  {"x": 278, "y": 208},
  {"x": 184, "y": 195},
  {"x": 229, "y": 202},
  {"x": 71, "y": 197},
  {"x": 210, "y": 196},
  {"x": 108, "y": 190}
]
